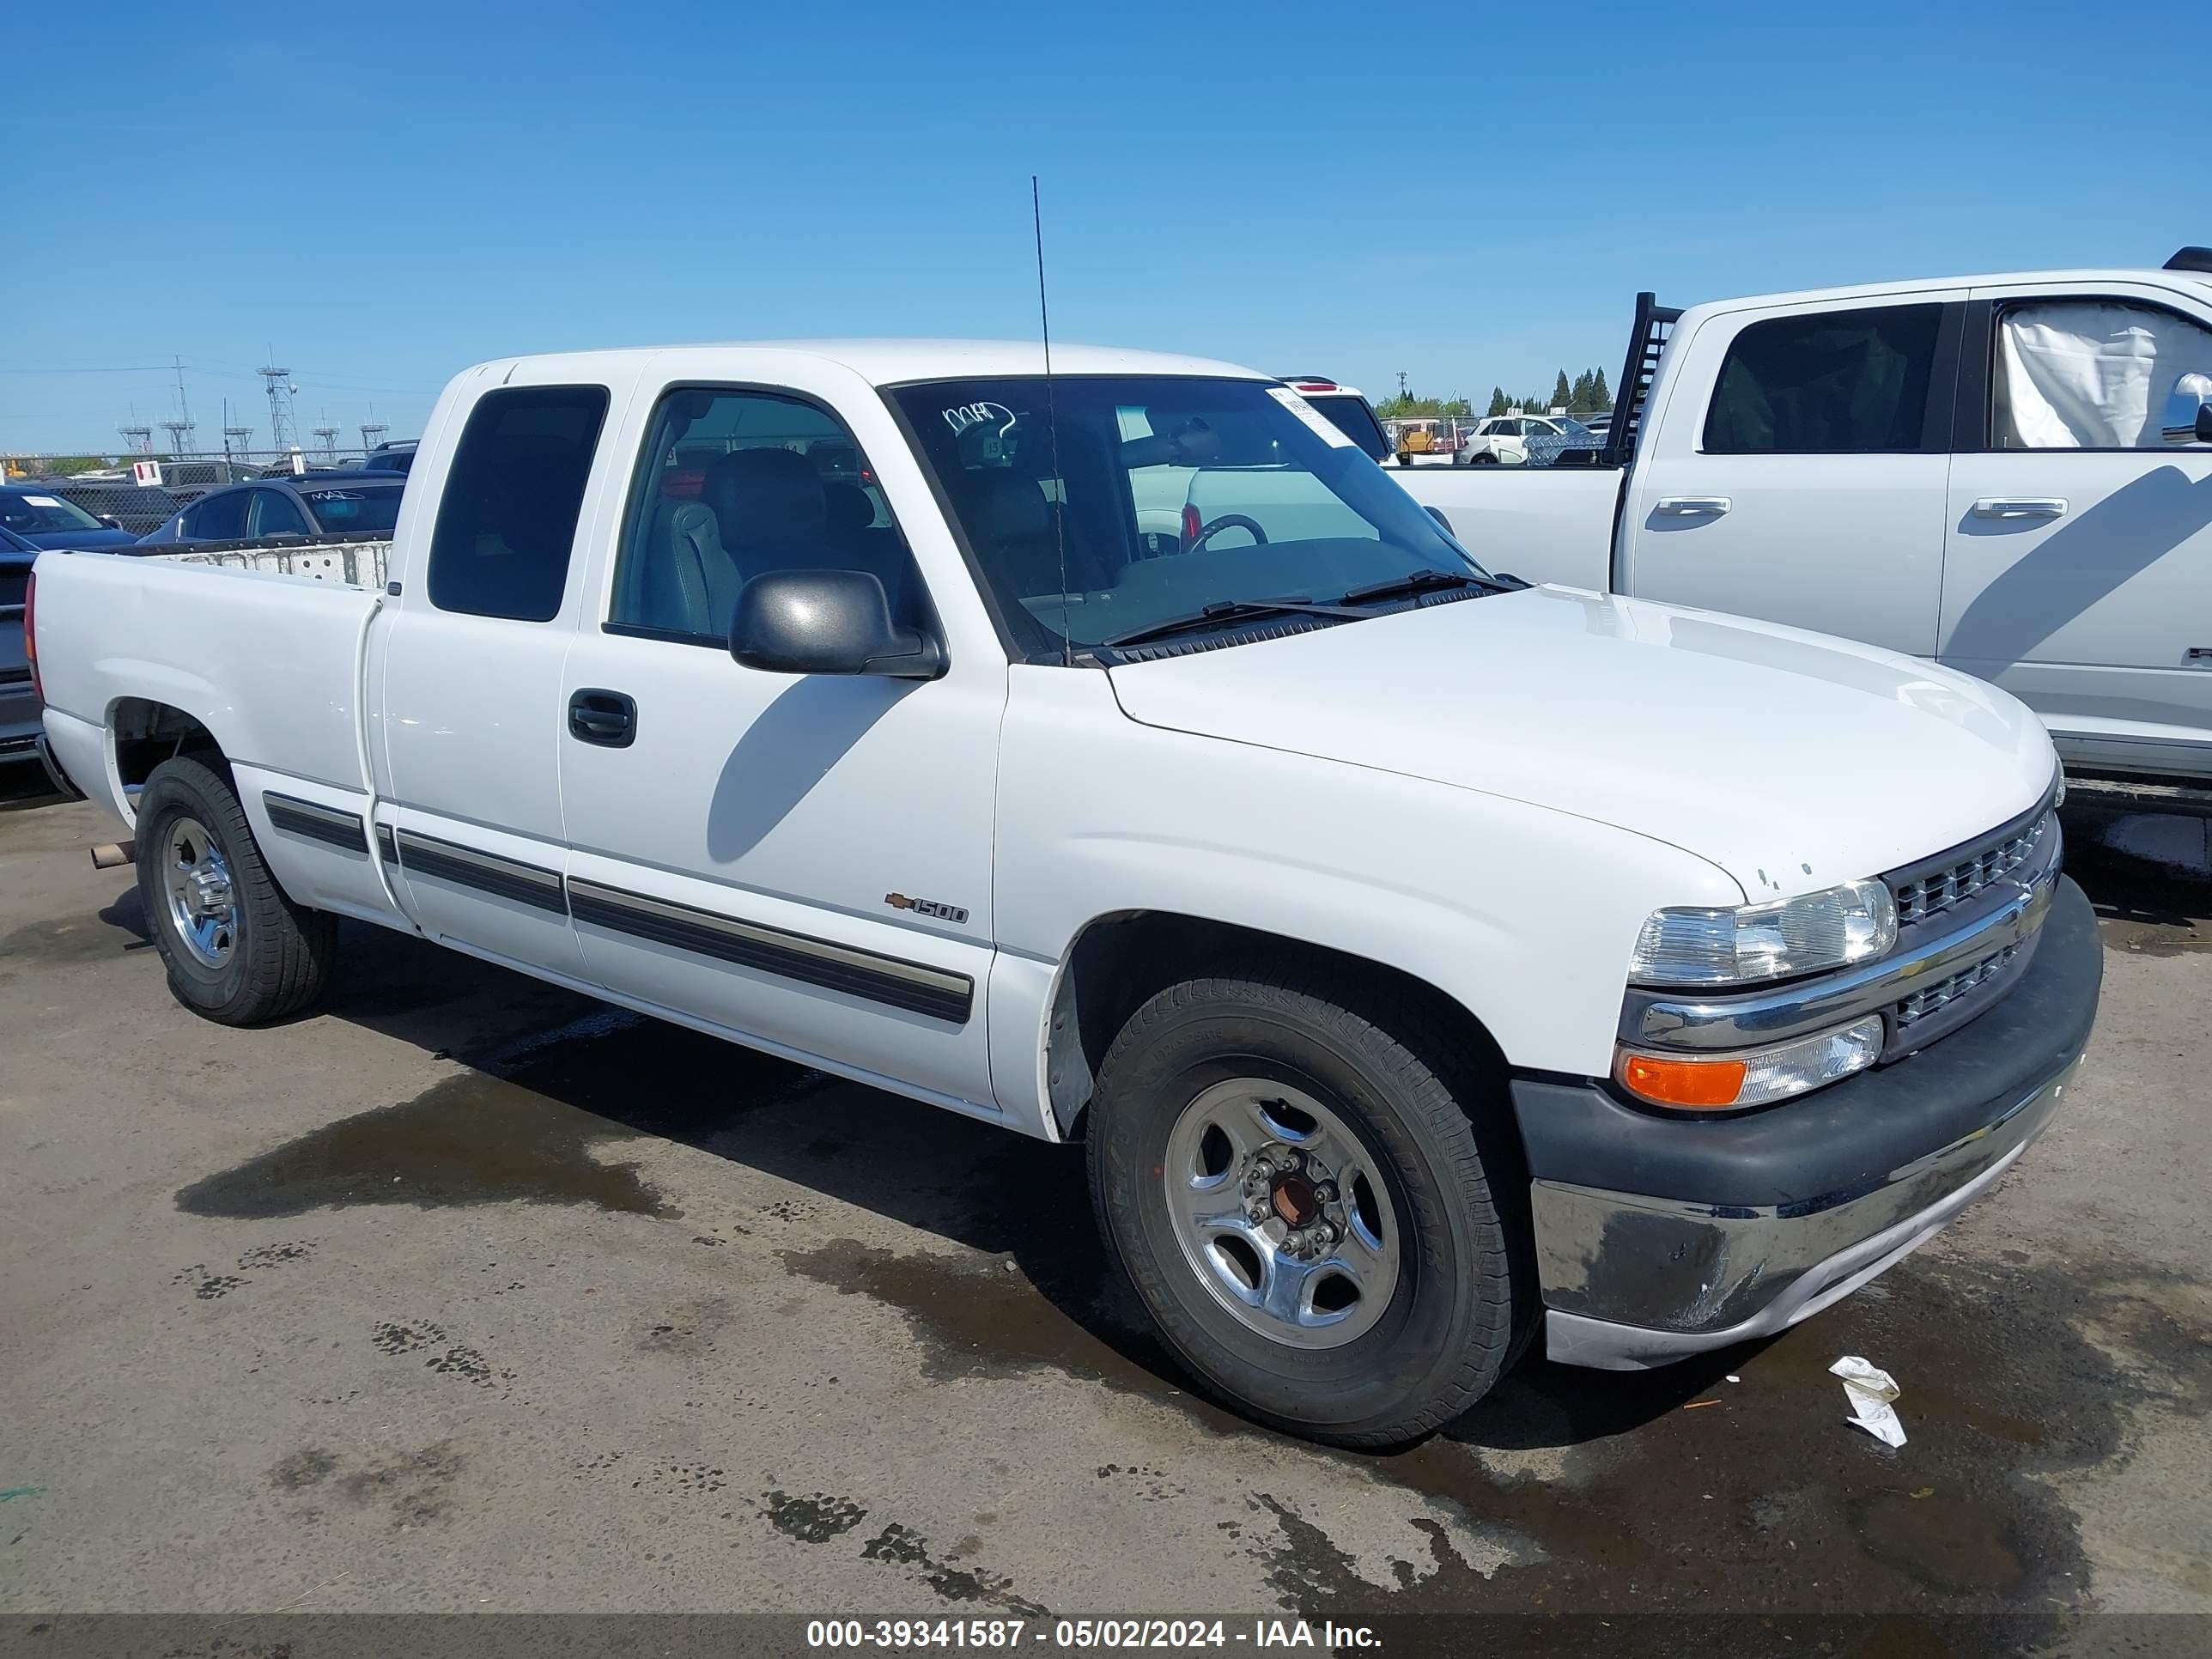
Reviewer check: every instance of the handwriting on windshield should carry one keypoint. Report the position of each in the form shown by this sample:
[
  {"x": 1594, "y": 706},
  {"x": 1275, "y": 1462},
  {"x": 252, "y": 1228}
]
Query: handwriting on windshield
[{"x": 967, "y": 415}]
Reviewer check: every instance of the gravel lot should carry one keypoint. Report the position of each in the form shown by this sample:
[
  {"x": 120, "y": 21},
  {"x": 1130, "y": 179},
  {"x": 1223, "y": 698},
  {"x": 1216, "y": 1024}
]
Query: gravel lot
[{"x": 470, "y": 1294}]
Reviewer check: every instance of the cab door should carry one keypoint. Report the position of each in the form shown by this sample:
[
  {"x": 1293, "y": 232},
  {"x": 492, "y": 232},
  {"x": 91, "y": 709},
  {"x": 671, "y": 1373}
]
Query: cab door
[
  {"x": 2079, "y": 574},
  {"x": 471, "y": 651},
  {"x": 1798, "y": 472},
  {"x": 801, "y": 860}
]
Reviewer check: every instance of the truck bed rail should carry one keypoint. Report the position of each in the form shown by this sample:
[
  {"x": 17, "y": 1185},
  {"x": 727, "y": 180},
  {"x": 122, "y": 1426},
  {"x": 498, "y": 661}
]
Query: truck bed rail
[{"x": 345, "y": 563}]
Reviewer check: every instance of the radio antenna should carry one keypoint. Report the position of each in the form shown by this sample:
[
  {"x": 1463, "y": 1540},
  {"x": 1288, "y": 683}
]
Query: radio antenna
[{"x": 1052, "y": 431}]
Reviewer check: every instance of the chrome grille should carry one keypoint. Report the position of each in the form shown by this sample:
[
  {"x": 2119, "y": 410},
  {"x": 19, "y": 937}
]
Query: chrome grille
[
  {"x": 1921, "y": 1004},
  {"x": 1939, "y": 890}
]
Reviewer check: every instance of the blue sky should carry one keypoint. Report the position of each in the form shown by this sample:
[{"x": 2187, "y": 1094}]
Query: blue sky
[{"x": 1471, "y": 193}]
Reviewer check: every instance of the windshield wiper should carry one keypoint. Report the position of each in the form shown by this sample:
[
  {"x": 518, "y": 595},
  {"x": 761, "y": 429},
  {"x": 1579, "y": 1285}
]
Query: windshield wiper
[
  {"x": 1419, "y": 582},
  {"x": 1223, "y": 611}
]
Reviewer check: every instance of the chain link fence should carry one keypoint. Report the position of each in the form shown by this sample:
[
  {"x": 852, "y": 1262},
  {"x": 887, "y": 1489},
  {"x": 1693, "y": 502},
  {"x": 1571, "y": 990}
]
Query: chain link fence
[{"x": 114, "y": 492}]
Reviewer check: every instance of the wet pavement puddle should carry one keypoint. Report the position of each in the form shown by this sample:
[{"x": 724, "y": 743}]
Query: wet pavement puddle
[{"x": 1609, "y": 1493}]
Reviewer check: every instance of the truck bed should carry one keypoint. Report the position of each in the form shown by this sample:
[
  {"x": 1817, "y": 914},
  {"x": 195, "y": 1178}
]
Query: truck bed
[
  {"x": 263, "y": 647},
  {"x": 1543, "y": 523}
]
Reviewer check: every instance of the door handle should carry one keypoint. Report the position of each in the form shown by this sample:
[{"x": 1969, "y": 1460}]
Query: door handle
[
  {"x": 607, "y": 718},
  {"x": 2003, "y": 506},
  {"x": 1693, "y": 506}
]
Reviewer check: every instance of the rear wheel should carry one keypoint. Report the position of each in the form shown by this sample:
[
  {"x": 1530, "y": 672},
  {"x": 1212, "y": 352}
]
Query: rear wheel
[
  {"x": 1300, "y": 1203},
  {"x": 1484, "y": 460},
  {"x": 237, "y": 951}
]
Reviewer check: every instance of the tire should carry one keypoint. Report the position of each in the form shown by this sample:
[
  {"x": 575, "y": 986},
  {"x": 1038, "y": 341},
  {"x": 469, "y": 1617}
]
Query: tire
[
  {"x": 1484, "y": 460},
  {"x": 1441, "y": 1309},
  {"x": 258, "y": 957}
]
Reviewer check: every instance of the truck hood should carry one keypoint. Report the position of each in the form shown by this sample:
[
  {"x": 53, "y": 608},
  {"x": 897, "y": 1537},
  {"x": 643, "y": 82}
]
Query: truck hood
[{"x": 1791, "y": 760}]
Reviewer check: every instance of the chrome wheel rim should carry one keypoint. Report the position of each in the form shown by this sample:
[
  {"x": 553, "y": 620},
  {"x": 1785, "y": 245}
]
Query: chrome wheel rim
[
  {"x": 196, "y": 880},
  {"x": 1282, "y": 1213}
]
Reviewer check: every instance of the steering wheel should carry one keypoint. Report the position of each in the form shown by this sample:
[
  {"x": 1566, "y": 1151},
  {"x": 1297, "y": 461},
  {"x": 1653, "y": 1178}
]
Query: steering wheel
[{"x": 1228, "y": 521}]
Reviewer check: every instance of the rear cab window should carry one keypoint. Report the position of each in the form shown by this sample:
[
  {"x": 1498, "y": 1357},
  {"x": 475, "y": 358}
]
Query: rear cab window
[
  {"x": 507, "y": 520},
  {"x": 355, "y": 509},
  {"x": 1352, "y": 417},
  {"x": 1830, "y": 383}
]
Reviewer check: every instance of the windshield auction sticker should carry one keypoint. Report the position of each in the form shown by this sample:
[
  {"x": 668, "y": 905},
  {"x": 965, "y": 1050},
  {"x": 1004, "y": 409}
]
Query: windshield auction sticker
[{"x": 1317, "y": 422}]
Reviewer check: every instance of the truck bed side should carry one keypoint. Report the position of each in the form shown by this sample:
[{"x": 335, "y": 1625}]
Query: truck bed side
[
  {"x": 268, "y": 665},
  {"x": 1541, "y": 524}
]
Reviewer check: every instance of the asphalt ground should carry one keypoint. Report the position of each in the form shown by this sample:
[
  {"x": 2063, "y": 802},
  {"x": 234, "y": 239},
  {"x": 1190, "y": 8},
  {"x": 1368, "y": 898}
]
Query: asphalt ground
[{"x": 469, "y": 1295}]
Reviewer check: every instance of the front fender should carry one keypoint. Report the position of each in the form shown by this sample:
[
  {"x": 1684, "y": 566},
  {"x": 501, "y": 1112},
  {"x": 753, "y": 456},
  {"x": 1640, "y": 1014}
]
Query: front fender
[{"x": 1524, "y": 915}]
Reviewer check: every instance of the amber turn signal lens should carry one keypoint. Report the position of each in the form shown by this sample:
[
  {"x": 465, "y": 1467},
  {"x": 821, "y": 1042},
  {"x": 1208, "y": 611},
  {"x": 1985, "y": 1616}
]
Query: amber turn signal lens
[{"x": 1695, "y": 1085}]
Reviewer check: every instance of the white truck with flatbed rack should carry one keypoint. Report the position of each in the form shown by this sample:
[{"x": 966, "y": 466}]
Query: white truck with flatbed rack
[
  {"x": 1430, "y": 964},
  {"x": 2011, "y": 476}
]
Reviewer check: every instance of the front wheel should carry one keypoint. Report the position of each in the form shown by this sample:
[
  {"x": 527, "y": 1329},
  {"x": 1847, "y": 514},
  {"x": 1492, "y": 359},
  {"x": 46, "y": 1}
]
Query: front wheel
[
  {"x": 1484, "y": 460},
  {"x": 1299, "y": 1199},
  {"x": 238, "y": 951}
]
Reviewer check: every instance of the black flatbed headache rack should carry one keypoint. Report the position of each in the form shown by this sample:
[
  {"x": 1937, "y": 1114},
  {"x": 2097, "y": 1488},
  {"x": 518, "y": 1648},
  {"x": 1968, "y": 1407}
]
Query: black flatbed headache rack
[{"x": 1653, "y": 324}]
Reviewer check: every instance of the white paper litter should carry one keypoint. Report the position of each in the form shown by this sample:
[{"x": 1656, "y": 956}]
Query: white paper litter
[{"x": 1869, "y": 1389}]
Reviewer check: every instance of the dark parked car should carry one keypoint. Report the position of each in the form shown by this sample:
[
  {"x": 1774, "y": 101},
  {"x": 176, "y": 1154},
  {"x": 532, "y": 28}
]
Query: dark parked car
[
  {"x": 19, "y": 704},
  {"x": 298, "y": 508},
  {"x": 396, "y": 455},
  {"x": 45, "y": 519}
]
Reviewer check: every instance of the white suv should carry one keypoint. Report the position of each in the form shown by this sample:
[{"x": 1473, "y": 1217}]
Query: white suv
[{"x": 1502, "y": 440}]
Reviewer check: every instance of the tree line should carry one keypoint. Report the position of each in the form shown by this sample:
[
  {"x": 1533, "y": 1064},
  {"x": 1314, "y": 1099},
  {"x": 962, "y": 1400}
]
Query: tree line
[{"x": 1586, "y": 394}]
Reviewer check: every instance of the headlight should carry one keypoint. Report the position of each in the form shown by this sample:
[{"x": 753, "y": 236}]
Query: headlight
[
  {"x": 1693, "y": 945},
  {"x": 1723, "y": 1083}
]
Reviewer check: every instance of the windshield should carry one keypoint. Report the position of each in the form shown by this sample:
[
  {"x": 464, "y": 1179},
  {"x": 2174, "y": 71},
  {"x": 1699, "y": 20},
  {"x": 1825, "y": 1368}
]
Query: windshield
[
  {"x": 357, "y": 508},
  {"x": 32, "y": 515},
  {"x": 1168, "y": 495}
]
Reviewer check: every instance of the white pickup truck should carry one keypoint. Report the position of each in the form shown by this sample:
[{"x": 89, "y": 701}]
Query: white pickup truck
[
  {"x": 2010, "y": 475},
  {"x": 1431, "y": 964}
]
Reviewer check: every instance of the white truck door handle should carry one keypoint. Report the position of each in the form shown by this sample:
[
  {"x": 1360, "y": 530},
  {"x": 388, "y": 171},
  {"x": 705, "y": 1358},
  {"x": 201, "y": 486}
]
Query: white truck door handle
[
  {"x": 2001, "y": 507},
  {"x": 1694, "y": 506}
]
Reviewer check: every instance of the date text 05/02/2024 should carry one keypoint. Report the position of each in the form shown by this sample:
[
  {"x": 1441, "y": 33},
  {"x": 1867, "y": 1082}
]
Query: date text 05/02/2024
[{"x": 1325, "y": 1636}]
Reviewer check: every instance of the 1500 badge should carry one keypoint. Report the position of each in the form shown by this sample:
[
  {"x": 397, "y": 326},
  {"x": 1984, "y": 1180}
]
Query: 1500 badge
[{"x": 926, "y": 907}]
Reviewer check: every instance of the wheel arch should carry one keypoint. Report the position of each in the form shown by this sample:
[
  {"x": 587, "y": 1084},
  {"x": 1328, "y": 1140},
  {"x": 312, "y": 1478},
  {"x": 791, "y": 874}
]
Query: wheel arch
[
  {"x": 144, "y": 731},
  {"x": 1121, "y": 958}
]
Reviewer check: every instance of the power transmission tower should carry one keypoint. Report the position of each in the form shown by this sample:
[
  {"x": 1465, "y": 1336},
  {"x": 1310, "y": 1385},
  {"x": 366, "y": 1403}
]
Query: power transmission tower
[
  {"x": 329, "y": 437},
  {"x": 181, "y": 428},
  {"x": 370, "y": 432},
  {"x": 236, "y": 437},
  {"x": 283, "y": 431},
  {"x": 140, "y": 438}
]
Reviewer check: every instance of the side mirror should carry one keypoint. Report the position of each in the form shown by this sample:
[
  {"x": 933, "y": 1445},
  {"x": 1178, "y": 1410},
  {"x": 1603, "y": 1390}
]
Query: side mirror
[
  {"x": 2188, "y": 417},
  {"x": 111, "y": 521},
  {"x": 827, "y": 622},
  {"x": 1437, "y": 514}
]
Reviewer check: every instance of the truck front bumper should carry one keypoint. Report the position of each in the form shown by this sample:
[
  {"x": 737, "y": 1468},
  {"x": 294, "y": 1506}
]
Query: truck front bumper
[{"x": 1776, "y": 1214}]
